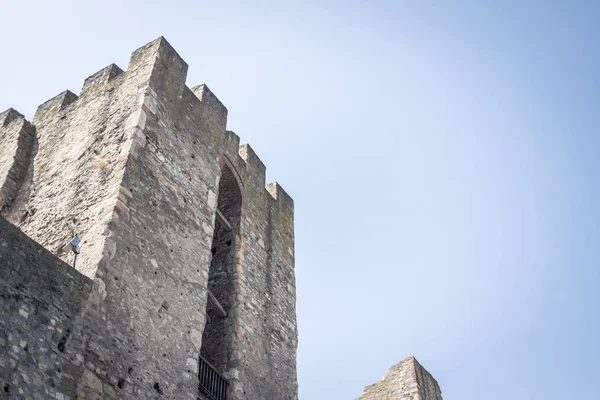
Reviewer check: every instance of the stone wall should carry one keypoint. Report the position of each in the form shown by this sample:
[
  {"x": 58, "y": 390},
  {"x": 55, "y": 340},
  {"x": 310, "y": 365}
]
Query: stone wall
[
  {"x": 407, "y": 380},
  {"x": 16, "y": 136},
  {"x": 41, "y": 300},
  {"x": 428, "y": 386},
  {"x": 74, "y": 178},
  {"x": 281, "y": 305},
  {"x": 133, "y": 167}
]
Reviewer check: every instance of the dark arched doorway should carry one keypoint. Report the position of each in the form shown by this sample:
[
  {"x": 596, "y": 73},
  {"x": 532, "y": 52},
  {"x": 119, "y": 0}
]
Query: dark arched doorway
[{"x": 217, "y": 336}]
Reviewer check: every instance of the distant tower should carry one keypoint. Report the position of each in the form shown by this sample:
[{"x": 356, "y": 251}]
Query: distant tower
[
  {"x": 185, "y": 286},
  {"x": 407, "y": 380}
]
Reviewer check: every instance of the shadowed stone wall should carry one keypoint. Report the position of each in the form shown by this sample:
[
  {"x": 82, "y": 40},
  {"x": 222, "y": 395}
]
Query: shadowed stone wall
[{"x": 133, "y": 166}]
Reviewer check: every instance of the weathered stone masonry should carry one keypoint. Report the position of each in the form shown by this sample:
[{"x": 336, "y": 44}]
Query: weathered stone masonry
[
  {"x": 16, "y": 138},
  {"x": 133, "y": 166},
  {"x": 407, "y": 380}
]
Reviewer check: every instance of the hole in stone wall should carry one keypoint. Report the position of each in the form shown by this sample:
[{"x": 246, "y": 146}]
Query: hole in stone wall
[
  {"x": 121, "y": 383},
  {"x": 216, "y": 338},
  {"x": 157, "y": 388},
  {"x": 7, "y": 388},
  {"x": 62, "y": 342}
]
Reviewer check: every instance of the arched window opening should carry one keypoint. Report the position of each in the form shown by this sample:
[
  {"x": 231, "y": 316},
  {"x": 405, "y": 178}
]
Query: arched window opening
[{"x": 217, "y": 336}]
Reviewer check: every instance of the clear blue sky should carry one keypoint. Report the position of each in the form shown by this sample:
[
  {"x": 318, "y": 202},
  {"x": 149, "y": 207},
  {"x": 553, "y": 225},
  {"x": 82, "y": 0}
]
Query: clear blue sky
[{"x": 443, "y": 157}]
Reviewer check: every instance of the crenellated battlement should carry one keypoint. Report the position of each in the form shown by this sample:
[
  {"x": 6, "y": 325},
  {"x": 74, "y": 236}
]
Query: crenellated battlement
[
  {"x": 59, "y": 102},
  {"x": 100, "y": 78},
  {"x": 253, "y": 163},
  {"x": 165, "y": 71},
  {"x": 213, "y": 106},
  {"x": 17, "y": 136},
  {"x": 279, "y": 194},
  {"x": 7, "y": 116},
  {"x": 111, "y": 116}
]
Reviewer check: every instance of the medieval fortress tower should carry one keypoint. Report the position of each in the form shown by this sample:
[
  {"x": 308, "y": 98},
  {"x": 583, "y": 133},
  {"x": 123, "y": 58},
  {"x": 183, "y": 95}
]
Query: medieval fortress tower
[{"x": 182, "y": 285}]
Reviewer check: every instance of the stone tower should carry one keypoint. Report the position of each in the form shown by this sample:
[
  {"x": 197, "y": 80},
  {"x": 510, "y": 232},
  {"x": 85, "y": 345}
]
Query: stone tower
[
  {"x": 184, "y": 287},
  {"x": 407, "y": 380}
]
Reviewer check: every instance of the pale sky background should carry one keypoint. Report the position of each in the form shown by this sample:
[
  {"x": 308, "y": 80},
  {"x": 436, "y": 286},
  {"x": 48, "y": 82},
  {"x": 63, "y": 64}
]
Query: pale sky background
[{"x": 443, "y": 158}]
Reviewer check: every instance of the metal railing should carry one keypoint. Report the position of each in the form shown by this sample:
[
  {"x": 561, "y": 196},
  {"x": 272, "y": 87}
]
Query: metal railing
[{"x": 212, "y": 383}]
